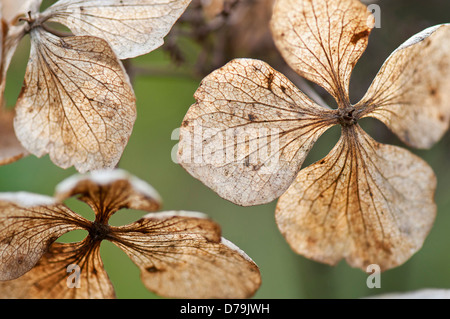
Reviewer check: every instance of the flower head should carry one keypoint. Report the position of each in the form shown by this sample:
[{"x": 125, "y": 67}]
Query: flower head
[
  {"x": 250, "y": 130},
  {"x": 180, "y": 254}
]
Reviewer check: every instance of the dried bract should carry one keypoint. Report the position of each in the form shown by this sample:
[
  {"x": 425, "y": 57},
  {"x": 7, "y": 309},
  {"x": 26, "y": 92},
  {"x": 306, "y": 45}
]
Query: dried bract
[
  {"x": 180, "y": 254},
  {"x": 250, "y": 130},
  {"x": 10, "y": 147}
]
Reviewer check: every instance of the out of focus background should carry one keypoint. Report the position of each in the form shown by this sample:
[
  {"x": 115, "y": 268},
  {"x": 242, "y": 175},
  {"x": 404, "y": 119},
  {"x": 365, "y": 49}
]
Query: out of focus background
[{"x": 210, "y": 34}]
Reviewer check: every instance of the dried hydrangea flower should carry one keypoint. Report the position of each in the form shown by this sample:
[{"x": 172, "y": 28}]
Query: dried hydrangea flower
[
  {"x": 77, "y": 103},
  {"x": 250, "y": 130},
  {"x": 180, "y": 254}
]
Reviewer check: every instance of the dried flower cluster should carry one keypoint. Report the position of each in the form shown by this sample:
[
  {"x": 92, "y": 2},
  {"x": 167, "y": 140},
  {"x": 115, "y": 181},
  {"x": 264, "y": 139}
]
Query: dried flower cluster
[
  {"x": 180, "y": 254},
  {"x": 366, "y": 202}
]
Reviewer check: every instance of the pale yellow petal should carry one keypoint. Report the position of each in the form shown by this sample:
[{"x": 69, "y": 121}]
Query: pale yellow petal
[{"x": 182, "y": 255}]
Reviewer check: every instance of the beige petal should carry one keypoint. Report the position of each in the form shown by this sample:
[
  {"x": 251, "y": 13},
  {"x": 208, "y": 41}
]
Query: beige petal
[
  {"x": 76, "y": 104},
  {"x": 249, "y": 132},
  {"x": 366, "y": 202},
  {"x": 108, "y": 191},
  {"x": 182, "y": 255},
  {"x": 411, "y": 92},
  {"x": 10, "y": 148},
  {"x": 56, "y": 275},
  {"x": 322, "y": 40},
  {"x": 29, "y": 224},
  {"x": 132, "y": 27}
]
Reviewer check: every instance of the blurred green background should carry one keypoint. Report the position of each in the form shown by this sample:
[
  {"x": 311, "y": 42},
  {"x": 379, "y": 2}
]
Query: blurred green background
[{"x": 162, "y": 101}]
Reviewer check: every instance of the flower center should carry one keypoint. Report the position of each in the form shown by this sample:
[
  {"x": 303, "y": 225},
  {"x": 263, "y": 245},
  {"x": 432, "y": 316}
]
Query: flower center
[
  {"x": 99, "y": 231},
  {"x": 347, "y": 116}
]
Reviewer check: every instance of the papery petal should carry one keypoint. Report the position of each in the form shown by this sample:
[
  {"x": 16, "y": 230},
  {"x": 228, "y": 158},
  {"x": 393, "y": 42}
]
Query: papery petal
[
  {"x": 411, "y": 92},
  {"x": 66, "y": 271},
  {"x": 322, "y": 40},
  {"x": 366, "y": 202},
  {"x": 249, "y": 132},
  {"x": 10, "y": 148},
  {"x": 108, "y": 191},
  {"x": 182, "y": 255},
  {"x": 76, "y": 103},
  {"x": 132, "y": 27},
  {"x": 29, "y": 224}
]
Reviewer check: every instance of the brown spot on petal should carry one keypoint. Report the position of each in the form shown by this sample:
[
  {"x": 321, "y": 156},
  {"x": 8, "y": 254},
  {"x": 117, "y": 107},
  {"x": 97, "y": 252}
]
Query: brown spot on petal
[{"x": 357, "y": 37}]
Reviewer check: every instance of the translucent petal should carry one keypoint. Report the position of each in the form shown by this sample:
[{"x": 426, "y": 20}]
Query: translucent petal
[
  {"x": 249, "y": 132},
  {"x": 66, "y": 271},
  {"x": 322, "y": 40},
  {"x": 182, "y": 255},
  {"x": 29, "y": 224},
  {"x": 132, "y": 27},
  {"x": 108, "y": 191},
  {"x": 411, "y": 92},
  {"x": 76, "y": 103},
  {"x": 366, "y": 202}
]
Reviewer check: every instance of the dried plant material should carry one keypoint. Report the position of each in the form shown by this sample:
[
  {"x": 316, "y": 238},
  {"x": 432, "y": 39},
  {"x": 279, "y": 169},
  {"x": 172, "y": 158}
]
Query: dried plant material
[
  {"x": 366, "y": 202},
  {"x": 79, "y": 101},
  {"x": 11, "y": 149},
  {"x": 50, "y": 276},
  {"x": 183, "y": 254},
  {"x": 413, "y": 87},
  {"x": 359, "y": 203},
  {"x": 132, "y": 27},
  {"x": 249, "y": 133},
  {"x": 76, "y": 95},
  {"x": 114, "y": 189},
  {"x": 322, "y": 40},
  {"x": 180, "y": 254},
  {"x": 2, "y": 27}
]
